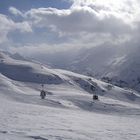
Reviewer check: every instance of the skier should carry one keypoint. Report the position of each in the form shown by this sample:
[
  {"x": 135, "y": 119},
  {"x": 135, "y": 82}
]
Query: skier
[
  {"x": 42, "y": 94},
  {"x": 95, "y": 97}
]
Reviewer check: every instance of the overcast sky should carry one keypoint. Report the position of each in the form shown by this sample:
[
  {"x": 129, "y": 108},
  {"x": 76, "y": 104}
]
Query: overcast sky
[{"x": 49, "y": 26}]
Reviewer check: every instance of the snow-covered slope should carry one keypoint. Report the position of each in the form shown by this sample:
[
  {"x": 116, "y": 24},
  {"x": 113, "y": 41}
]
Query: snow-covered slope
[
  {"x": 68, "y": 111},
  {"x": 29, "y": 72},
  {"x": 118, "y": 65}
]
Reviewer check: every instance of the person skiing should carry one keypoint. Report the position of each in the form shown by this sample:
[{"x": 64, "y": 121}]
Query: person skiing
[
  {"x": 95, "y": 97},
  {"x": 42, "y": 94}
]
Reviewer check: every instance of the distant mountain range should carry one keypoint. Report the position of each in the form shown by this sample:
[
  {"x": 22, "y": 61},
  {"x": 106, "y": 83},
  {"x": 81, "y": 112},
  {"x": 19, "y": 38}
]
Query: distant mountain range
[{"x": 118, "y": 65}]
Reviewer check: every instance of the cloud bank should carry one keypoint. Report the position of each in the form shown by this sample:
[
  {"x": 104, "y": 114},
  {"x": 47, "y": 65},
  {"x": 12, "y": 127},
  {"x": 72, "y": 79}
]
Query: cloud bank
[{"x": 87, "y": 23}]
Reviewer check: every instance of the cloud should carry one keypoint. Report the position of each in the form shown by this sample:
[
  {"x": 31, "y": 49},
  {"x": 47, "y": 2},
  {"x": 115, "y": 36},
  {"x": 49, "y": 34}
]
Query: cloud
[
  {"x": 23, "y": 27},
  {"x": 7, "y": 25},
  {"x": 87, "y": 23},
  {"x": 125, "y": 9},
  {"x": 15, "y": 11},
  {"x": 77, "y": 20}
]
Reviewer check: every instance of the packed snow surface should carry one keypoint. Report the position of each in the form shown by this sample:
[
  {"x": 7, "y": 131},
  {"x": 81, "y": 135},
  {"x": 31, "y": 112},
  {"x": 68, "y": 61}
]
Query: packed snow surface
[{"x": 68, "y": 111}]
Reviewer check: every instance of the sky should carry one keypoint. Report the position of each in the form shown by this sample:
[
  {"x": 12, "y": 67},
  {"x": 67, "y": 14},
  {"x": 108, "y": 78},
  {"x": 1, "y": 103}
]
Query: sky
[{"x": 41, "y": 27}]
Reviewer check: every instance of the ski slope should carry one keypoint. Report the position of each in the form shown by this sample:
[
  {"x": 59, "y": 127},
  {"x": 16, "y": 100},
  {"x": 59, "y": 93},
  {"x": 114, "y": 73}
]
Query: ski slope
[{"x": 68, "y": 111}]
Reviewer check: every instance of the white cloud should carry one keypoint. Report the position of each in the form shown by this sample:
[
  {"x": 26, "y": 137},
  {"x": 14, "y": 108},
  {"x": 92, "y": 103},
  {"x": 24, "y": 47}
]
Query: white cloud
[
  {"x": 15, "y": 11},
  {"x": 77, "y": 20},
  {"x": 23, "y": 27},
  {"x": 125, "y": 9},
  {"x": 7, "y": 25},
  {"x": 87, "y": 23}
]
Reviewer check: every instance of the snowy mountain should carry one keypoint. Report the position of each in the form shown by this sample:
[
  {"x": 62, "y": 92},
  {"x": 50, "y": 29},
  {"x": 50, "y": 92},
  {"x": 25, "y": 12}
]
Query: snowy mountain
[
  {"x": 115, "y": 64},
  {"x": 68, "y": 111}
]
